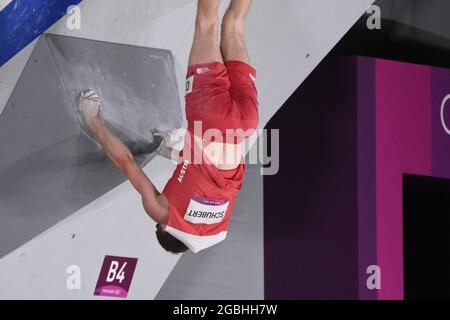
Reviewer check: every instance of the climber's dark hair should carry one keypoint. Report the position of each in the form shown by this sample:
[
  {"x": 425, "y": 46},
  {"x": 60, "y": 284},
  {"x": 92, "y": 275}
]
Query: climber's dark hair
[{"x": 169, "y": 242}]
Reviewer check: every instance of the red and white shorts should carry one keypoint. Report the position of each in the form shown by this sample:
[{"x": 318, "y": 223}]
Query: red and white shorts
[{"x": 223, "y": 97}]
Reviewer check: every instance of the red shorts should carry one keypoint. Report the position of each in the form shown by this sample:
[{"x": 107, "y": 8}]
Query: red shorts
[{"x": 222, "y": 97}]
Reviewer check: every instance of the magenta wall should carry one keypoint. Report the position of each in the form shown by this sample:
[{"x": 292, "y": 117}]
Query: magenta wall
[
  {"x": 343, "y": 154},
  {"x": 408, "y": 138},
  {"x": 403, "y": 145}
]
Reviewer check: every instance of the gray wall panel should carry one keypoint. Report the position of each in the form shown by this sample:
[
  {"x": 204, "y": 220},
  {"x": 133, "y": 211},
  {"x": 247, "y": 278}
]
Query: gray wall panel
[{"x": 48, "y": 167}]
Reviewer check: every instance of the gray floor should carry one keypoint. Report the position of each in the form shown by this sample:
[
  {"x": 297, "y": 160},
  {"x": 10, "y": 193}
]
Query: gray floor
[{"x": 233, "y": 269}]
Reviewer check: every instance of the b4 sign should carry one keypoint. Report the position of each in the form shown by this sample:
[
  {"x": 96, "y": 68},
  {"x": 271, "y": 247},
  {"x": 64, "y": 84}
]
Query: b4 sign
[{"x": 115, "y": 276}]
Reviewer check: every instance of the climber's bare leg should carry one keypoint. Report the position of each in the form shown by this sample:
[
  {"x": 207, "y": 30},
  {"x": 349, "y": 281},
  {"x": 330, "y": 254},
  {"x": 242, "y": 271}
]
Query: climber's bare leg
[
  {"x": 205, "y": 47},
  {"x": 233, "y": 46}
]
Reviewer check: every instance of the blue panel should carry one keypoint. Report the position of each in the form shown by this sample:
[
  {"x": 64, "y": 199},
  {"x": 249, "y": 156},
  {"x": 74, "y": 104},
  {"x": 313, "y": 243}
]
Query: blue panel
[{"x": 22, "y": 21}]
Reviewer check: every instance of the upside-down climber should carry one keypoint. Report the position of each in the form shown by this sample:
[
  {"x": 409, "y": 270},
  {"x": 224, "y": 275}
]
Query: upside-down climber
[{"x": 195, "y": 207}]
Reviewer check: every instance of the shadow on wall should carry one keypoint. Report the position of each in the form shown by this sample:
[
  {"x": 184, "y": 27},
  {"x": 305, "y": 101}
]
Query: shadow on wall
[
  {"x": 411, "y": 31},
  {"x": 426, "y": 239},
  {"x": 311, "y": 231}
]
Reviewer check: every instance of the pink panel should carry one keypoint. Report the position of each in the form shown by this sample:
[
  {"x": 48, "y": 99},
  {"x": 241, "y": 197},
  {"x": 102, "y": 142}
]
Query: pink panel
[{"x": 403, "y": 145}]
